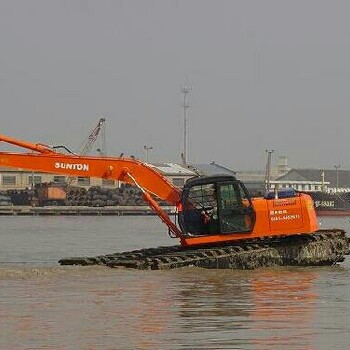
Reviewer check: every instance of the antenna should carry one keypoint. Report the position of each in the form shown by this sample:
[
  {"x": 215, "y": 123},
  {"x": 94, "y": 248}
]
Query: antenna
[{"x": 185, "y": 105}]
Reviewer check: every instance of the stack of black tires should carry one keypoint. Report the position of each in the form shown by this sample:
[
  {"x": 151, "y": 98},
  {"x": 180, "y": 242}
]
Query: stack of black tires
[
  {"x": 97, "y": 196},
  {"x": 21, "y": 197}
]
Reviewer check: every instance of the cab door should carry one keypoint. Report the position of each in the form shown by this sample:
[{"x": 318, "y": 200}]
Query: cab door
[{"x": 235, "y": 210}]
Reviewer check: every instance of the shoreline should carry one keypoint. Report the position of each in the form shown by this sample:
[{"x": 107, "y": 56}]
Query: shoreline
[{"x": 23, "y": 210}]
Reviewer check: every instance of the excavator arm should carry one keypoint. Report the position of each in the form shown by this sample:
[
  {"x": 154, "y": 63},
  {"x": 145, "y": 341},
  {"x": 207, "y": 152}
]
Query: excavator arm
[{"x": 46, "y": 159}]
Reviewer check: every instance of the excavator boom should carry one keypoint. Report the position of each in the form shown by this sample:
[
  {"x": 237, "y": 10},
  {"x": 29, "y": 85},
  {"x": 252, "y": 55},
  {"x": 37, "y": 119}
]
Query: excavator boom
[
  {"x": 130, "y": 171},
  {"x": 38, "y": 147},
  {"x": 85, "y": 166},
  {"x": 50, "y": 161}
]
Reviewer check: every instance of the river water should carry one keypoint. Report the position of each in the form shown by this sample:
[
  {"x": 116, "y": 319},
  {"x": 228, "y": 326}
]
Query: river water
[{"x": 46, "y": 306}]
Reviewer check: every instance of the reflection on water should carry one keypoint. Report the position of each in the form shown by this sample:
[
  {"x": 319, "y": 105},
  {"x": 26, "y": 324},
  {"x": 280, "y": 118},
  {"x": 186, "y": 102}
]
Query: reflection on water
[
  {"x": 260, "y": 310},
  {"x": 95, "y": 307},
  {"x": 52, "y": 307},
  {"x": 284, "y": 304}
]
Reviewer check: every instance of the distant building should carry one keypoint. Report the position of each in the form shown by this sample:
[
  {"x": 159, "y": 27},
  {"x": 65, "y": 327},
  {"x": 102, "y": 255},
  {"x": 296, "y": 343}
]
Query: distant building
[
  {"x": 179, "y": 174},
  {"x": 176, "y": 173},
  {"x": 282, "y": 166},
  {"x": 253, "y": 180},
  {"x": 19, "y": 179},
  {"x": 334, "y": 180},
  {"x": 212, "y": 169},
  {"x": 256, "y": 181}
]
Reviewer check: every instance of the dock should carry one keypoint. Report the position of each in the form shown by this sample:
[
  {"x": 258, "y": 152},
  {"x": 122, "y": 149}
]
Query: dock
[{"x": 81, "y": 210}]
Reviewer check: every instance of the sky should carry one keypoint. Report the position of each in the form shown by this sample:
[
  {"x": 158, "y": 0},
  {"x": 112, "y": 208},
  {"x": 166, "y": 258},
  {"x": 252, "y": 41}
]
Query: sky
[{"x": 265, "y": 75}]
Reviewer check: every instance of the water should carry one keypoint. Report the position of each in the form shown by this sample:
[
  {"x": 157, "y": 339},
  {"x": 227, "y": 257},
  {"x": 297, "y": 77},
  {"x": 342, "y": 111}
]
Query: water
[{"x": 46, "y": 306}]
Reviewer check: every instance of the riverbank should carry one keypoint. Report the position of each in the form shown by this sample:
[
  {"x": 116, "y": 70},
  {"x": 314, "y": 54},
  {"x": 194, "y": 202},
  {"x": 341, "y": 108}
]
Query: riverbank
[{"x": 81, "y": 210}]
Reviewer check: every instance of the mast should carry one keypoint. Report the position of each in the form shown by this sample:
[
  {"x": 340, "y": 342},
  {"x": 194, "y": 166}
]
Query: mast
[{"x": 268, "y": 169}]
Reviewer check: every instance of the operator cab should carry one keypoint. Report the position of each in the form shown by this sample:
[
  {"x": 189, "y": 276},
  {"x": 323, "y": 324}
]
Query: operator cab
[{"x": 216, "y": 205}]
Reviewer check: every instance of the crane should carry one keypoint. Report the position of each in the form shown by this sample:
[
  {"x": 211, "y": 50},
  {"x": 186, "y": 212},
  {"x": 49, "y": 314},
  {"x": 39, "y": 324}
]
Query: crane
[
  {"x": 88, "y": 143},
  {"x": 92, "y": 137}
]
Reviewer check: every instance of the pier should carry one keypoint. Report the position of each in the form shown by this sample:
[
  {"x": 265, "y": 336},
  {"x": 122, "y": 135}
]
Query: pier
[{"x": 81, "y": 210}]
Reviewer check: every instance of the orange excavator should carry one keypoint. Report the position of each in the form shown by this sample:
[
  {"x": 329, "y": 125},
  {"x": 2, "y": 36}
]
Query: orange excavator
[
  {"x": 210, "y": 209},
  {"x": 219, "y": 224}
]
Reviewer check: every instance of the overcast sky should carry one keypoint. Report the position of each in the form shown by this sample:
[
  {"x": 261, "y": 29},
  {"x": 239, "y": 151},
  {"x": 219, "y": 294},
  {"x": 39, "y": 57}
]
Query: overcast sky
[{"x": 264, "y": 74}]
